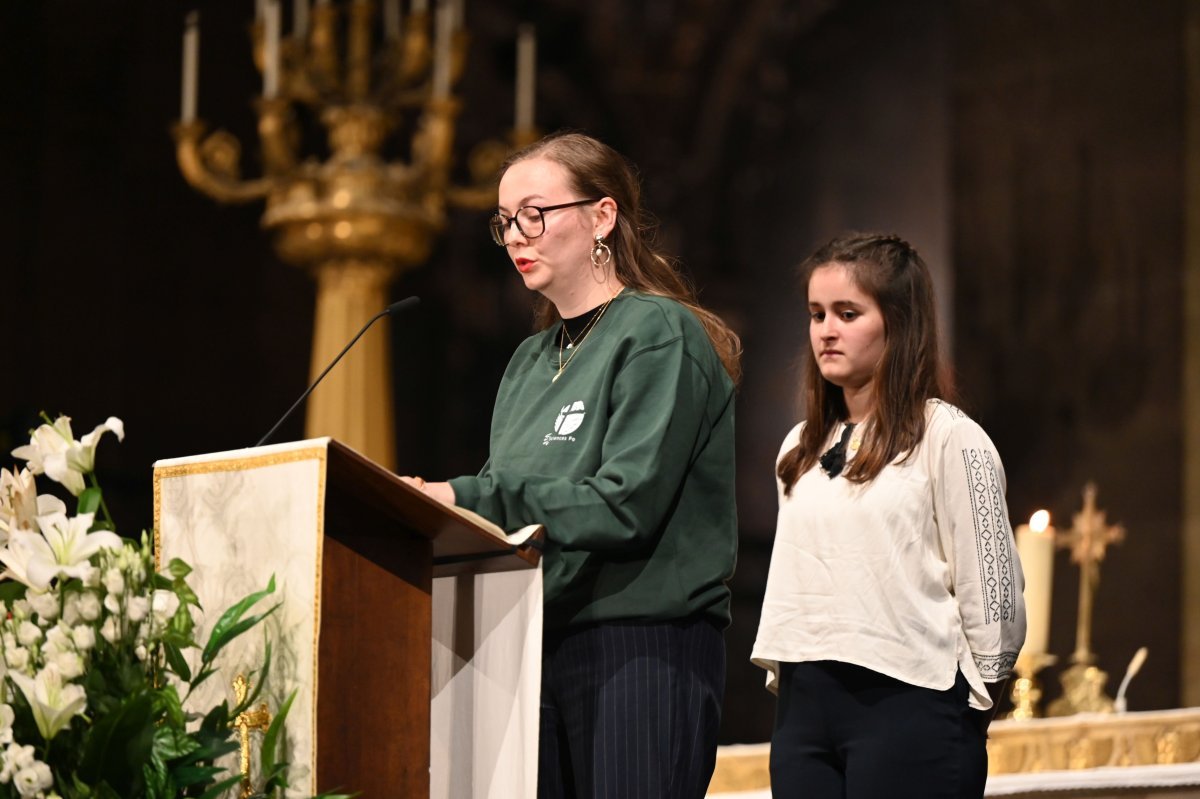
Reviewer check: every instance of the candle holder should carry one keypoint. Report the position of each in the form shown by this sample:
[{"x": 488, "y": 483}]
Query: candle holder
[
  {"x": 1026, "y": 691},
  {"x": 359, "y": 217}
]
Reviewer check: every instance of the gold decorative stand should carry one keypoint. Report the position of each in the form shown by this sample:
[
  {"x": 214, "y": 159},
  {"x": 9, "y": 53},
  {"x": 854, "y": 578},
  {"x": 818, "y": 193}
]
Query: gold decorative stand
[{"x": 357, "y": 219}]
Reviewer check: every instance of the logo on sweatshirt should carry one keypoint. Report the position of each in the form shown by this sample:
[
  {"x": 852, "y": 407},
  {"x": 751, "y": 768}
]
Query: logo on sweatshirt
[{"x": 568, "y": 421}]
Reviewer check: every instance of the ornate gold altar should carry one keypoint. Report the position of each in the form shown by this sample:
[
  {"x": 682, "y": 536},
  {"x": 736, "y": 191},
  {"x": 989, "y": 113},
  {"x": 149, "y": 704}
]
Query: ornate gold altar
[
  {"x": 1104, "y": 754},
  {"x": 1086, "y": 741}
]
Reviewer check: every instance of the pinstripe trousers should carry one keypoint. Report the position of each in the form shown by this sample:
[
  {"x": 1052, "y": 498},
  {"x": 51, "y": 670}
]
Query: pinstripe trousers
[{"x": 631, "y": 710}]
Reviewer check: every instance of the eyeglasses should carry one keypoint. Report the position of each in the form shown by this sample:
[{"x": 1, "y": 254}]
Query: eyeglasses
[{"x": 529, "y": 219}]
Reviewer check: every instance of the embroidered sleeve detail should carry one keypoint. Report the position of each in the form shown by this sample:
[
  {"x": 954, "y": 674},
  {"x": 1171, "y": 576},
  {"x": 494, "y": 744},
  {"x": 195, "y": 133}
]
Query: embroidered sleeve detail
[
  {"x": 995, "y": 667},
  {"x": 991, "y": 544}
]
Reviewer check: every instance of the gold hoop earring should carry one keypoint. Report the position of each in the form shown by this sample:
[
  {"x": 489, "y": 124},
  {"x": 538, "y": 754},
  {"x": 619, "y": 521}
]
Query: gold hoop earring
[{"x": 601, "y": 254}]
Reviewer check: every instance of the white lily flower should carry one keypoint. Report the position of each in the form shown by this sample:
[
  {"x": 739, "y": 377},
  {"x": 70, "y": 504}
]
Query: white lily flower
[
  {"x": 18, "y": 501},
  {"x": 54, "y": 451},
  {"x": 69, "y": 545},
  {"x": 47, "y": 453},
  {"x": 84, "y": 457},
  {"x": 46, "y": 440},
  {"x": 22, "y": 547},
  {"x": 54, "y": 703}
]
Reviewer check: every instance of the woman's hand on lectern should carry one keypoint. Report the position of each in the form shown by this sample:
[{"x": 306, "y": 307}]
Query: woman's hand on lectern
[{"x": 442, "y": 492}]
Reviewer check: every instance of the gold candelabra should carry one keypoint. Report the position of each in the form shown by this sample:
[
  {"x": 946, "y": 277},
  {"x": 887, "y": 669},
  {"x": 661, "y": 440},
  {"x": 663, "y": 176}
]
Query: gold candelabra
[
  {"x": 356, "y": 219},
  {"x": 1088, "y": 539}
]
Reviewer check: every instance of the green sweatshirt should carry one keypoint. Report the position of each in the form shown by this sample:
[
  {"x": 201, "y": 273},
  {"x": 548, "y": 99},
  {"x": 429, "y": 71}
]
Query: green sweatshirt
[{"x": 628, "y": 461}]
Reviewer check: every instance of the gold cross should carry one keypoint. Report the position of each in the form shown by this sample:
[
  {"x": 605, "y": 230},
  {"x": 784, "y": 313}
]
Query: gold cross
[
  {"x": 1088, "y": 540},
  {"x": 257, "y": 719}
]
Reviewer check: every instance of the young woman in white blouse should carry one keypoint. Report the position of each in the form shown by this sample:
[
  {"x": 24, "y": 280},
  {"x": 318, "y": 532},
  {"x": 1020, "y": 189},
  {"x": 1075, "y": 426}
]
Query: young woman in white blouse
[{"x": 893, "y": 612}]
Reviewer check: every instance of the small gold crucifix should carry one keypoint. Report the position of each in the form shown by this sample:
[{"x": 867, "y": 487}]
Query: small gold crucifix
[{"x": 257, "y": 719}]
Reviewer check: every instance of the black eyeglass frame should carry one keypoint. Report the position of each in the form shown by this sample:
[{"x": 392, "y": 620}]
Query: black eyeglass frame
[{"x": 499, "y": 231}]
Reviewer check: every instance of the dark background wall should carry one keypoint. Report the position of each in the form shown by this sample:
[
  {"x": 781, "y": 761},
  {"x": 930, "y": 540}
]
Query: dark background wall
[{"x": 1031, "y": 151}]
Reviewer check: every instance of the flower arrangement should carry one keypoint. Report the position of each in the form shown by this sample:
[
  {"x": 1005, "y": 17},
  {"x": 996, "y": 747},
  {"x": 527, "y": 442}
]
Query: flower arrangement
[{"x": 93, "y": 672}]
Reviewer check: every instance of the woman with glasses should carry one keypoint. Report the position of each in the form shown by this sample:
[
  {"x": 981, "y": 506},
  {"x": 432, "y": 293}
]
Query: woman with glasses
[
  {"x": 613, "y": 427},
  {"x": 893, "y": 611}
]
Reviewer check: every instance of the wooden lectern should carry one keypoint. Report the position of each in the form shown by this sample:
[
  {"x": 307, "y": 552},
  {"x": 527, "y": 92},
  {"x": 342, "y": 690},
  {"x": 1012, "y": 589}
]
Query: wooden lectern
[{"x": 355, "y": 552}]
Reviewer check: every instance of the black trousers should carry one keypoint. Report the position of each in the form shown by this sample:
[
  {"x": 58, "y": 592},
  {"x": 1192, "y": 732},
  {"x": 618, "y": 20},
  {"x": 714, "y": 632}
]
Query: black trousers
[
  {"x": 631, "y": 710},
  {"x": 846, "y": 732}
]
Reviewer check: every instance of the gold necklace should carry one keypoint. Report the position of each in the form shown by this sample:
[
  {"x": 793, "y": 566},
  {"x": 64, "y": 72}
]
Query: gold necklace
[
  {"x": 577, "y": 343},
  {"x": 567, "y": 333}
]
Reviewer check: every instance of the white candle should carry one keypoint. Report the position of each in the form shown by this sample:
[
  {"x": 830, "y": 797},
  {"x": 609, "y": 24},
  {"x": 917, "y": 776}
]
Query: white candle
[
  {"x": 271, "y": 50},
  {"x": 457, "y": 14},
  {"x": 1035, "y": 545},
  {"x": 300, "y": 19},
  {"x": 420, "y": 6},
  {"x": 526, "y": 80},
  {"x": 191, "y": 66},
  {"x": 260, "y": 6},
  {"x": 391, "y": 19},
  {"x": 441, "y": 52}
]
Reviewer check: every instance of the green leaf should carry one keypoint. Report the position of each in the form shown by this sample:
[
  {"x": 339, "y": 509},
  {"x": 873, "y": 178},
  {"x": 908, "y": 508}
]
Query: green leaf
[
  {"x": 176, "y": 661},
  {"x": 221, "y": 787},
  {"x": 118, "y": 744},
  {"x": 185, "y": 593},
  {"x": 11, "y": 591},
  {"x": 178, "y": 569},
  {"x": 231, "y": 624},
  {"x": 253, "y": 695},
  {"x": 167, "y": 703},
  {"x": 270, "y": 741},
  {"x": 187, "y": 776},
  {"x": 89, "y": 500}
]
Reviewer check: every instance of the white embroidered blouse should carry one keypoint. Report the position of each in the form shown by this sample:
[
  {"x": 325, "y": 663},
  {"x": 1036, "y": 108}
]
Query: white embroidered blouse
[{"x": 914, "y": 574}]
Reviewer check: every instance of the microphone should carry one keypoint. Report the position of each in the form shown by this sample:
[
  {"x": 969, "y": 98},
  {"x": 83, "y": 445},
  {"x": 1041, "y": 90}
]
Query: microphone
[
  {"x": 1135, "y": 665},
  {"x": 395, "y": 309}
]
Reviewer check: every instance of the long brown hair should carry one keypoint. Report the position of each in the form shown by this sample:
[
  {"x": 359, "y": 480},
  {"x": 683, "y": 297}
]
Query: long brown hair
[
  {"x": 597, "y": 170},
  {"x": 910, "y": 372}
]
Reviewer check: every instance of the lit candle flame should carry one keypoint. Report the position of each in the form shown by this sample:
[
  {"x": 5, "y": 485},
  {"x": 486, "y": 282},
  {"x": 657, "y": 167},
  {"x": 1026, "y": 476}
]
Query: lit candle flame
[{"x": 1039, "y": 521}]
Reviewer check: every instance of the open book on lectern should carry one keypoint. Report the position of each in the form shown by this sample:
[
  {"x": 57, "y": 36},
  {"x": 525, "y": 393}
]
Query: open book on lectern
[{"x": 516, "y": 538}]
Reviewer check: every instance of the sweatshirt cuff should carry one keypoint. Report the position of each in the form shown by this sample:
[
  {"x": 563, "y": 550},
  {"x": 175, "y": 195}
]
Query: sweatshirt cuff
[{"x": 466, "y": 492}]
